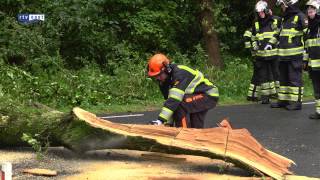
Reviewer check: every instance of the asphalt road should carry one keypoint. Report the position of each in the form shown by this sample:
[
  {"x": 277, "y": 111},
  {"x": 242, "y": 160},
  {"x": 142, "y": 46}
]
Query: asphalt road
[{"x": 289, "y": 133}]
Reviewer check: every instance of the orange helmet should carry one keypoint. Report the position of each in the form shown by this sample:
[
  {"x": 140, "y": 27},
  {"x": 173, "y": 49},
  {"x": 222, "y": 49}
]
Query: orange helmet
[{"x": 156, "y": 64}]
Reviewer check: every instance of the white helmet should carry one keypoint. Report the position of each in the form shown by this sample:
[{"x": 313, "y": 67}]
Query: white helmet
[
  {"x": 286, "y": 2},
  {"x": 262, "y": 6},
  {"x": 314, "y": 3}
]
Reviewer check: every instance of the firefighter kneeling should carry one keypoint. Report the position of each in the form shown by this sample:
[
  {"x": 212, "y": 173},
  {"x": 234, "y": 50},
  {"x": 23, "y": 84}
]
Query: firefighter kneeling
[{"x": 189, "y": 95}]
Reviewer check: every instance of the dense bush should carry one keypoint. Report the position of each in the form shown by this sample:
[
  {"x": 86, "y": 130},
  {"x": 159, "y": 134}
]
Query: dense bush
[{"x": 93, "y": 53}]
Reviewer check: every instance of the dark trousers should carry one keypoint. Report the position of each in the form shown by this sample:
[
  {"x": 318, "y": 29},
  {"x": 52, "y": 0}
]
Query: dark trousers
[
  {"x": 192, "y": 110},
  {"x": 315, "y": 77},
  {"x": 254, "y": 89},
  {"x": 275, "y": 73},
  {"x": 265, "y": 77},
  {"x": 275, "y": 69},
  {"x": 291, "y": 85}
]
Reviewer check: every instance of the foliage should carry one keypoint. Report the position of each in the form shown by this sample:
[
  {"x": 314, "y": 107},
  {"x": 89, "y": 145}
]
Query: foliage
[
  {"x": 93, "y": 53},
  {"x": 36, "y": 143}
]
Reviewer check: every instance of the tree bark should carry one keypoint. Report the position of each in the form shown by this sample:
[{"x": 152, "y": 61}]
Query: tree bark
[
  {"x": 210, "y": 35},
  {"x": 233, "y": 145},
  {"x": 271, "y": 3},
  {"x": 82, "y": 131}
]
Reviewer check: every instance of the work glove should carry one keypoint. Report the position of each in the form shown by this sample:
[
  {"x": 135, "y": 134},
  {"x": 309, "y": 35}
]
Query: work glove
[
  {"x": 268, "y": 47},
  {"x": 156, "y": 122}
]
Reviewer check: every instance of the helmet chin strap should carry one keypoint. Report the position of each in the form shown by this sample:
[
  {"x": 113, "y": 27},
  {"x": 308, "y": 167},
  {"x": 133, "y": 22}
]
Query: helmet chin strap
[{"x": 168, "y": 69}]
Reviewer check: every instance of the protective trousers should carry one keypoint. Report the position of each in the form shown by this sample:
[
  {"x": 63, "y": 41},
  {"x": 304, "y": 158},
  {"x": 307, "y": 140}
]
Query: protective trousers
[
  {"x": 291, "y": 86},
  {"x": 254, "y": 89},
  {"x": 192, "y": 110},
  {"x": 265, "y": 78},
  {"x": 315, "y": 77},
  {"x": 275, "y": 73}
]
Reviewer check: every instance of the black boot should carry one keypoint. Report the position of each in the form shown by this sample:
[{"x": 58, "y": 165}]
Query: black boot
[
  {"x": 314, "y": 116},
  {"x": 253, "y": 99},
  {"x": 294, "y": 106},
  {"x": 279, "y": 104},
  {"x": 265, "y": 100}
]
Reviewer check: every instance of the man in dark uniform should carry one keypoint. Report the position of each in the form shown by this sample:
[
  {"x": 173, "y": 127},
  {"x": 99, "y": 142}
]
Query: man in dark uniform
[
  {"x": 265, "y": 32},
  {"x": 254, "y": 88},
  {"x": 312, "y": 46},
  {"x": 290, "y": 54},
  {"x": 189, "y": 95}
]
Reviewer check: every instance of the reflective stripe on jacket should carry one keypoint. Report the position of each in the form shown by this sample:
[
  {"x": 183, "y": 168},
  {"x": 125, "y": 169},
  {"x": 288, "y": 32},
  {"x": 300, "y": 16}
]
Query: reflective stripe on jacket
[{"x": 183, "y": 80}]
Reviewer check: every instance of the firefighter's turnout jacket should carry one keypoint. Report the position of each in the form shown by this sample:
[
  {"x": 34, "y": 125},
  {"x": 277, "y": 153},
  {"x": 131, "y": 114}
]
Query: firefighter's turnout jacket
[
  {"x": 256, "y": 39},
  {"x": 291, "y": 50},
  {"x": 312, "y": 56},
  {"x": 254, "y": 89},
  {"x": 183, "y": 81}
]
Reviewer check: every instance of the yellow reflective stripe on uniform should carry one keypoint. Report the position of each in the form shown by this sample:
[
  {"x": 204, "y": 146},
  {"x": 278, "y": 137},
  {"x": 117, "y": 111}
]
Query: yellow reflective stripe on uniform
[
  {"x": 247, "y": 34},
  {"x": 273, "y": 40},
  {"x": 207, "y": 82},
  {"x": 291, "y": 51},
  {"x": 314, "y": 63},
  {"x": 318, "y": 106},
  {"x": 213, "y": 92},
  {"x": 294, "y": 90},
  {"x": 312, "y": 42},
  {"x": 305, "y": 56},
  {"x": 166, "y": 113},
  {"x": 176, "y": 94},
  {"x": 254, "y": 92},
  {"x": 247, "y": 44},
  {"x": 254, "y": 44},
  {"x": 187, "y": 69},
  {"x": 290, "y": 93},
  {"x": 199, "y": 78},
  {"x": 268, "y": 88},
  {"x": 267, "y": 53},
  {"x": 295, "y": 20},
  {"x": 265, "y": 35},
  {"x": 257, "y": 26},
  {"x": 290, "y": 32},
  {"x": 196, "y": 80},
  {"x": 284, "y": 97},
  {"x": 275, "y": 22},
  {"x": 194, "y": 83}
]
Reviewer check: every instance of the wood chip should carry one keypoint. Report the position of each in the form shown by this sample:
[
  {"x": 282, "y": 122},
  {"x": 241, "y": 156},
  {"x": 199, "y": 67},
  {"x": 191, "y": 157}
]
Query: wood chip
[{"x": 40, "y": 172}]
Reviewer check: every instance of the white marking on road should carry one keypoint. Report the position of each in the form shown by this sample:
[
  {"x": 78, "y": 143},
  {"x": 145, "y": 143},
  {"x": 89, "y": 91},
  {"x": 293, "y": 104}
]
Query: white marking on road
[
  {"x": 122, "y": 116},
  {"x": 306, "y": 103}
]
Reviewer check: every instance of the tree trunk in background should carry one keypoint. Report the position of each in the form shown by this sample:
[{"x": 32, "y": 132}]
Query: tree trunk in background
[
  {"x": 210, "y": 35},
  {"x": 272, "y": 3}
]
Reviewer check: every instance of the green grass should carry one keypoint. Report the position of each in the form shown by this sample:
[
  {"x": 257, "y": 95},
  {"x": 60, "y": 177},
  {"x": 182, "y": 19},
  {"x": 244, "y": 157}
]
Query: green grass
[{"x": 127, "y": 90}]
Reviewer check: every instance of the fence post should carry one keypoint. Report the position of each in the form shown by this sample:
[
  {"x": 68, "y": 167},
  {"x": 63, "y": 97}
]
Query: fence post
[{"x": 6, "y": 171}]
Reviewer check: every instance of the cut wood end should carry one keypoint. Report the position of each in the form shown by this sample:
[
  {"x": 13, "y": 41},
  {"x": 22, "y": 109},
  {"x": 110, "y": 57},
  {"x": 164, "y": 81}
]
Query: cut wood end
[
  {"x": 40, "y": 172},
  {"x": 201, "y": 140},
  {"x": 225, "y": 124}
]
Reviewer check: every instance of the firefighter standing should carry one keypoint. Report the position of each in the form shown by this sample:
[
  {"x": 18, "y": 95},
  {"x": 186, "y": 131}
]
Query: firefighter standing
[
  {"x": 265, "y": 32},
  {"x": 312, "y": 46},
  {"x": 189, "y": 95},
  {"x": 254, "y": 89},
  {"x": 290, "y": 54}
]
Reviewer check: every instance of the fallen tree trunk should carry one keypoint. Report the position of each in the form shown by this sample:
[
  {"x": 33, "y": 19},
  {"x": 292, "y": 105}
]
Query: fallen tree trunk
[{"x": 234, "y": 145}]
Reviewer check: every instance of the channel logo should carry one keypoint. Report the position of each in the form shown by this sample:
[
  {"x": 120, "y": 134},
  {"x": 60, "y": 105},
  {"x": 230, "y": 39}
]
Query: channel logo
[{"x": 30, "y": 18}]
